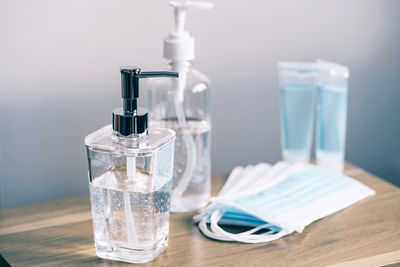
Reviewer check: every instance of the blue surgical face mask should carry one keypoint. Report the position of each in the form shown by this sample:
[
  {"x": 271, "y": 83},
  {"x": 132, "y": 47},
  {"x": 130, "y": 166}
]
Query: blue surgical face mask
[{"x": 279, "y": 199}]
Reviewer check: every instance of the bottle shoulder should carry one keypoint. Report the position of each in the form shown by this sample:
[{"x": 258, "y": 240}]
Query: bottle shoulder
[
  {"x": 104, "y": 140},
  {"x": 198, "y": 76}
]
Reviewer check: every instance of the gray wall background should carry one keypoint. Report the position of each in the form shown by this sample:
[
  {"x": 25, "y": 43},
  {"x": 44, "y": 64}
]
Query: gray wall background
[{"x": 59, "y": 79}]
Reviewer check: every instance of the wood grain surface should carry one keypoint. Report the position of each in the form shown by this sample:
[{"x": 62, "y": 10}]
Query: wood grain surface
[{"x": 60, "y": 233}]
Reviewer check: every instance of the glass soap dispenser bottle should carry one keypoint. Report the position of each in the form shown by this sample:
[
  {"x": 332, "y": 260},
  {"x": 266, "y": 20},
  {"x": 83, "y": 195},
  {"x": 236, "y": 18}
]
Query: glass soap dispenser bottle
[
  {"x": 130, "y": 173},
  {"x": 184, "y": 105}
]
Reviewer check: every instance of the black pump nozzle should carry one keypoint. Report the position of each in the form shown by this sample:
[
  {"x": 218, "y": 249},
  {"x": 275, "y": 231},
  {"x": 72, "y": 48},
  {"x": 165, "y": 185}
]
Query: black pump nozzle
[
  {"x": 130, "y": 84},
  {"x": 131, "y": 119}
]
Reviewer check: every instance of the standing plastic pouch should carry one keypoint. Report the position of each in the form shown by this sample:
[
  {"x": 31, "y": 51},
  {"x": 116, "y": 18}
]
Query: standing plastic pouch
[
  {"x": 332, "y": 85},
  {"x": 297, "y": 95}
]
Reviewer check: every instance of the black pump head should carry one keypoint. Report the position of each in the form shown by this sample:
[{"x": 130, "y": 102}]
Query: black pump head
[{"x": 130, "y": 119}]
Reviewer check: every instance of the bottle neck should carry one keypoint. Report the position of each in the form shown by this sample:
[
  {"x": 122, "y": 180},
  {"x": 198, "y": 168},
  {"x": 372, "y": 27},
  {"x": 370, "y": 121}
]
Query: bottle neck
[
  {"x": 180, "y": 65},
  {"x": 183, "y": 67},
  {"x": 133, "y": 137}
]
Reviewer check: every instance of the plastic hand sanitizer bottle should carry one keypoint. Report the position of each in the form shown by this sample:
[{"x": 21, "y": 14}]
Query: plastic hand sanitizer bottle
[
  {"x": 183, "y": 105},
  {"x": 130, "y": 173}
]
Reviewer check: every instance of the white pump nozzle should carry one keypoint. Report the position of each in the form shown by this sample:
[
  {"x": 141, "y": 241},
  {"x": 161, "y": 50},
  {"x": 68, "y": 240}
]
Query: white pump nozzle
[
  {"x": 180, "y": 9},
  {"x": 179, "y": 45}
]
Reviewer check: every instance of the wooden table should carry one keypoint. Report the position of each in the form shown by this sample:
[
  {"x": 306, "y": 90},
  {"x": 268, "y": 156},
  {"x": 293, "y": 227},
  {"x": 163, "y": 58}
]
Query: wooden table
[{"x": 60, "y": 233}]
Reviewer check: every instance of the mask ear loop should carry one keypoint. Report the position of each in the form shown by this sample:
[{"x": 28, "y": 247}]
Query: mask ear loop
[
  {"x": 204, "y": 229},
  {"x": 245, "y": 237}
]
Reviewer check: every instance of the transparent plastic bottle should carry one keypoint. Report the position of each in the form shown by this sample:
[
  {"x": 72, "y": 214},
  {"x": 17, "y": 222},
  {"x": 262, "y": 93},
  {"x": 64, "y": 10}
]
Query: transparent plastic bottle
[
  {"x": 183, "y": 105},
  {"x": 193, "y": 136}
]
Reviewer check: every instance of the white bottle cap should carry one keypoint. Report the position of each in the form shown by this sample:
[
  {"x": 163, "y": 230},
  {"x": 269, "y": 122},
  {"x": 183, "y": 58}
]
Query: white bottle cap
[{"x": 179, "y": 45}]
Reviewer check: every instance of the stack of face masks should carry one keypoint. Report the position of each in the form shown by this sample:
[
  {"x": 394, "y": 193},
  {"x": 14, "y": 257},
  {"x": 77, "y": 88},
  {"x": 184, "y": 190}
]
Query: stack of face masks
[{"x": 275, "y": 201}]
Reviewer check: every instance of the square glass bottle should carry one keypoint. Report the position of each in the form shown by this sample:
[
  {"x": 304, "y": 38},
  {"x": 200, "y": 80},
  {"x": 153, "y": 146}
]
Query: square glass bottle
[
  {"x": 130, "y": 173},
  {"x": 130, "y": 190}
]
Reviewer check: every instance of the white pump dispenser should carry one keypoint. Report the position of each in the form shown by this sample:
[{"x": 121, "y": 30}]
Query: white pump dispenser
[{"x": 179, "y": 45}]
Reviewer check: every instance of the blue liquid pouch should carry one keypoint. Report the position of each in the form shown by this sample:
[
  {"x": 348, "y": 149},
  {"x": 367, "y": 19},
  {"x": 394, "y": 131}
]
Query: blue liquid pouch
[
  {"x": 331, "y": 115},
  {"x": 297, "y": 97}
]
